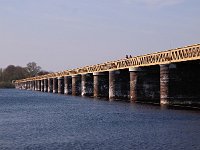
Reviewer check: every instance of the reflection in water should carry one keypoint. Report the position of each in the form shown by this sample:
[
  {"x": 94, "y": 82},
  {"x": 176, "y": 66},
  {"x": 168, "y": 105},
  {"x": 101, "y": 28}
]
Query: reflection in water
[{"x": 35, "y": 120}]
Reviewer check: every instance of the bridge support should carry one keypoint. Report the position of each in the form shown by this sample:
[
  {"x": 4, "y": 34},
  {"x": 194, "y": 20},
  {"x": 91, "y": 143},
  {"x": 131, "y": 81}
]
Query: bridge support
[
  {"x": 27, "y": 85},
  {"x": 164, "y": 84},
  {"x": 67, "y": 85},
  {"x": 45, "y": 85},
  {"x": 112, "y": 85},
  {"x": 134, "y": 73},
  {"x": 32, "y": 85},
  {"x": 101, "y": 84},
  {"x": 61, "y": 85},
  {"x": 76, "y": 85},
  {"x": 55, "y": 85},
  {"x": 86, "y": 85},
  {"x": 42, "y": 85},
  {"x": 50, "y": 85},
  {"x": 39, "y": 85},
  {"x": 35, "y": 88}
]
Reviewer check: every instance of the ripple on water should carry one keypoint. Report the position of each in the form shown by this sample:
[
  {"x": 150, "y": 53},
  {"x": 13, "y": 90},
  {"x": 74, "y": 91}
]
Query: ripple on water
[{"x": 36, "y": 120}]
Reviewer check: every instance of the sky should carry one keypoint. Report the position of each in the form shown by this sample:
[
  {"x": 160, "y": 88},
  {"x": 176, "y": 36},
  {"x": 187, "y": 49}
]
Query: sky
[{"x": 67, "y": 34}]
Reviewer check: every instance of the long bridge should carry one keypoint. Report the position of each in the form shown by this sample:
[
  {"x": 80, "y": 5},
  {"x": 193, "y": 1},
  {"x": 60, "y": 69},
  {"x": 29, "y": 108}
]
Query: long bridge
[{"x": 167, "y": 77}]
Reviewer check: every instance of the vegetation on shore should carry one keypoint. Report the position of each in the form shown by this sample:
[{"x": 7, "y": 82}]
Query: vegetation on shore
[{"x": 12, "y": 72}]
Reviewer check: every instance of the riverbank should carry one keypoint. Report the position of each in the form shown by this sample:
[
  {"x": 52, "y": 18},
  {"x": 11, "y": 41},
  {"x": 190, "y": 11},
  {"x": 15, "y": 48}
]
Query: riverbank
[{"x": 6, "y": 85}]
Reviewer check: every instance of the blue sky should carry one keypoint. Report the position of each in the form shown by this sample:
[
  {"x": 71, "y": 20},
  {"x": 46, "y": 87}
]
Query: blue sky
[{"x": 64, "y": 34}]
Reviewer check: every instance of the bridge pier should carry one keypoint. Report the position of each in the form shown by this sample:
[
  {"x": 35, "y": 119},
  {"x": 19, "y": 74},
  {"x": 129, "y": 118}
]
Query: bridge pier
[
  {"x": 86, "y": 85},
  {"x": 67, "y": 85},
  {"x": 39, "y": 85},
  {"x": 145, "y": 84},
  {"x": 55, "y": 85},
  {"x": 101, "y": 84},
  {"x": 50, "y": 85},
  {"x": 60, "y": 85},
  {"x": 182, "y": 84},
  {"x": 164, "y": 84},
  {"x": 42, "y": 85},
  {"x": 76, "y": 85},
  {"x": 35, "y": 87},
  {"x": 27, "y": 85},
  {"x": 119, "y": 84},
  {"x": 112, "y": 85},
  {"x": 133, "y": 83},
  {"x": 45, "y": 85},
  {"x": 32, "y": 85}
]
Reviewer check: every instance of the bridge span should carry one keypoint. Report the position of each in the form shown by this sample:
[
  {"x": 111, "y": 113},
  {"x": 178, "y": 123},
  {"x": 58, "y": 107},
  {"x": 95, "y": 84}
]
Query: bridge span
[{"x": 167, "y": 77}]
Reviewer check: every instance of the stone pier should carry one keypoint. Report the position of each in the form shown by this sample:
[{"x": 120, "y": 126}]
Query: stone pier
[
  {"x": 61, "y": 85},
  {"x": 133, "y": 83},
  {"x": 42, "y": 85},
  {"x": 55, "y": 85},
  {"x": 87, "y": 85},
  {"x": 112, "y": 85},
  {"x": 36, "y": 85},
  {"x": 101, "y": 84},
  {"x": 68, "y": 85},
  {"x": 39, "y": 85},
  {"x": 50, "y": 85},
  {"x": 164, "y": 84},
  {"x": 45, "y": 85},
  {"x": 76, "y": 85}
]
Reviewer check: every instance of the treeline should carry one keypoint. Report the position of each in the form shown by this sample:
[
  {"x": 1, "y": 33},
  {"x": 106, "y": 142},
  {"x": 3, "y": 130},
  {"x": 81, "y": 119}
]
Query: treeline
[{"x": 12, "y": 72}]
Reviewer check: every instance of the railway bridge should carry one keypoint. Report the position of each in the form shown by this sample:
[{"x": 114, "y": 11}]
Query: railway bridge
[{"x": 169, "y": 77}]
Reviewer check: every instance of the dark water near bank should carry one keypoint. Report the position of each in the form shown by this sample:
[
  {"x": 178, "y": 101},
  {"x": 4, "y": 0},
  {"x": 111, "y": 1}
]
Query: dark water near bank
[{"x": 39, "y": 121}]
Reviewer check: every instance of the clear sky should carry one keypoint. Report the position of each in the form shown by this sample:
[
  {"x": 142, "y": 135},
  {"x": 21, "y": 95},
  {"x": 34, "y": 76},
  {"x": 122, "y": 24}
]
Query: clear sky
[{"x": 64, "y": 34}]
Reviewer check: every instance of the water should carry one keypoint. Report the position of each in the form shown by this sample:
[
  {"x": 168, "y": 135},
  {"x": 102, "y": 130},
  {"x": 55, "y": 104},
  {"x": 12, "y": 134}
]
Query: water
[{"x": 40, "y": 121}]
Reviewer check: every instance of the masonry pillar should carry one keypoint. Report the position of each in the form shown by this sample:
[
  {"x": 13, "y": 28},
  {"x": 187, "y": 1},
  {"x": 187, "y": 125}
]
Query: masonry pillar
[
  {"x": 27, "y": 85},
  {"x": 83, "y": 85},
  {"x": 39, "y": 85},
  {"x": 45, "y": 85},
  {"x": 35, "y": 87},
  {"x": 61, "y": 85},
  {"x": 42, "y": 85},
  {"x": 23, "y": 85},
  {"x": 96, "y": 84},
  {"x": 67, "y": 85},
  {"x": 50, "y": 85},
  {"x": 76, "y": 85},
  {"x": 86, "y": 85},
  {"x": 100, "y": 84},
  {"x": 32, "y": 85},
  {"x": 134, "y": 73},
  {"x": 164, "y": 84},
  {"x": 55, "y": 85},
  {"x": 112, "y": 85}
]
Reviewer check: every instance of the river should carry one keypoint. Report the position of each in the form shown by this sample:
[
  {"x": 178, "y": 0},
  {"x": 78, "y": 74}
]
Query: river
[{"x": 43, "y": 121}]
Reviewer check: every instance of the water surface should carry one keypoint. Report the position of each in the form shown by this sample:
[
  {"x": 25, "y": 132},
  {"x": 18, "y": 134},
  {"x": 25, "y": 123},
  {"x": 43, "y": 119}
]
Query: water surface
[{"x": 35, "y": 120}]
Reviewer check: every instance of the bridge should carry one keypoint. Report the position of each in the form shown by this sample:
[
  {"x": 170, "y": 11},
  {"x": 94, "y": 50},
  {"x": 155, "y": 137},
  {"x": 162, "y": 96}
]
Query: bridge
[{"x": 167, "y": 77}]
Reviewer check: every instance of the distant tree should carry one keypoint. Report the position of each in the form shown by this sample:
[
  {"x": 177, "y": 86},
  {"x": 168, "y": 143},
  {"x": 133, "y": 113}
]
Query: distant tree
[
  {"x": 20, "y": 73},
  {"x": 32, "y": 69},
  {"x": 12, "y": 73},
  {"x": 9, "y": 73},
  {"x": 1, "y": 74},
  {"x": 43, "y": 72}
]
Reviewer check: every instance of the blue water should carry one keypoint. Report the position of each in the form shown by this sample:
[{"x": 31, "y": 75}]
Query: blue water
[{"x": 42, "y": 121}]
